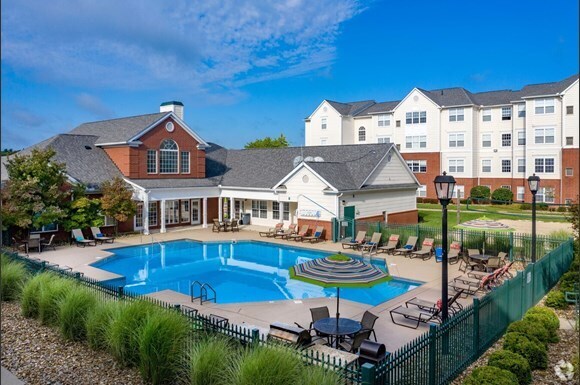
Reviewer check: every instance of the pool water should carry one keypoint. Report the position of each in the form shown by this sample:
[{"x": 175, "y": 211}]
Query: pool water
[{"x": 244, "y": 271}]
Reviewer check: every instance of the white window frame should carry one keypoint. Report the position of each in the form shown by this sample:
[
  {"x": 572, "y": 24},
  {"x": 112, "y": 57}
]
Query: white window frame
[
  {"x": 416, "y": 141},
  {"x": 506, "y": 138},
  {"x": 486, "y": 166},
  {"x": 461, "y": 189},
  {"x": 417, "y": 166},
  {"x": 545, "y": 195},
  {"x": 152, "y": 162},
  {"x": 275, "y": 210},
  {"x": 416, "y": 117},
  {"x": 323, "y": 123},
  {"x": 184, "y": 161},
  {"x": 384, "y": 120},
  {"x": 456, "y": 165},
  {"x": 50, "y": 228},
  {"x": 520, "y": 193},
  {"x": 521, "y": 165},
  {"x": 259, "y": 209},
  {"x": 545, "y": 106},
  {"x": 168, "y": 155},
  {"x": 362, "y": 134},
  {"x": 182, "y": 210},
  {"x": 457, "y": 140},
  {"x": 384, "y": 139},
  {"x": 484, "y": 141},
  {"x": 544, "y": 135},
  {"x": 506, "y": 113},
  {"x": 522, "y": 110},
  {"x": 422, "y": 191},
  {"x": 506, "y": 165},
  {"x": 486, "y": 115},
  {"x": 172, "y": 212},
  {"x": 323, "y": 141},
  {"x": 456, "y": 114},
  {"x": 542, "y": 166},
  {"x": 521, "y": 138},
  {"x": 153, "y": 217}
]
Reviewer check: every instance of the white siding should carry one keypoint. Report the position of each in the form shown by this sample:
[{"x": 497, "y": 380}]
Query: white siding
[
  {"x": 570, "y": 122},
  {"x": 309, "y": 194},
  {"x": 313, "y": 128},
  {"x": 393, "y": 171},
  {"x": 368, "y": 204}
]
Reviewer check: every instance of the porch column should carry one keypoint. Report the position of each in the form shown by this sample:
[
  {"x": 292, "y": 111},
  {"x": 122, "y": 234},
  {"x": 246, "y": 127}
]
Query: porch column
[
  {"x": 204, "y": 208},
  {"x": 220, "y": 204},
  {"x": 163, "y": 230},
  {"x": 232, "y": 208},
  {"x": 145, "y": 218}
]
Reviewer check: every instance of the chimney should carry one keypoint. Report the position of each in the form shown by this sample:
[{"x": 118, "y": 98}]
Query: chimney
[{"x": 173, "y": 106}]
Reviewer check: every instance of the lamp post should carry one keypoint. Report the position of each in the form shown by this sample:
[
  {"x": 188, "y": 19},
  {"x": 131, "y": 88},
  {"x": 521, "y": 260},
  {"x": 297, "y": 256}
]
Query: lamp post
[
  {"x": 534, "y": 185},
  {"x": 444, "y": 185}
]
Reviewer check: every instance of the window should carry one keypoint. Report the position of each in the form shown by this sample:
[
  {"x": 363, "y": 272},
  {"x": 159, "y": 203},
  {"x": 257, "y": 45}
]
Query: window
[
  {"x": 506, "y": 140},
  {"x": 545, "y": 195},
  {"x": 456, "y": 140},
  {"x": 544, "y": 135},
  {"x": 398, "y": 123},
  {"x": 521, "y": 190},
  {"x": 568, "y": 201},
  {"x": 506, "y": 186},
  {"x": 285, "y": 210},
  {"x": 275, "y": 210},
  {"x": 185, "y": 213},
  {"x": 544, "y": 106},
  {"x": 168, "y": 157},
  {"x": 486, "y": 140},
  {"x": 362, "y": 134},
  {"x": 383, "y": 139},
  {"x": 323, "y": 123},
  {"x": 185, "y": 162},
  {"x": 384, "y": 120},
  {"x": 569, "y": 171},
  {"x": 108, "y": 221},
  {"x": 323, "y": 141},
  {"x": 417, "y": 165},
  {"x": 521, "y": 138},
  {"x": 544, "y": 165},
  {"x": 46, "y": 228},
  {"x": 521, "y": 165},
  {"x": 152, "y": 214},
  {"x": 506, "y": 113},
  {"x": 139, "y": 215},
  {"x": 171, "y": 212},
  {"x": 569, "y": 110},
  {"x": 487, "y": 114},
  {"x": 151, "y": 161},
  {"x": 569, "y": 140},
  {"x": 456, "y": 165},
  {"x": 259, "y": 209},
  {"x": 506, "y": 165},
  {"x": 459, "y": 189},
  {"x": 486, "y": 165},
  {"x": 422, "y": 191},
  {"x": 416, "y": 141},
  {"x": 521, "y": 110},
  {"x": 456, "y": 115},
  {"x": 416, "y": 117}
]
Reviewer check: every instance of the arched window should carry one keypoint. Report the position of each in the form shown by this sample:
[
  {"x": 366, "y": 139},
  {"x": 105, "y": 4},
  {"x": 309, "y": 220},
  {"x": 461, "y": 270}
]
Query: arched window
[
  {"x": 168, "y": 155},
  {"x": 362, "y": 134}
]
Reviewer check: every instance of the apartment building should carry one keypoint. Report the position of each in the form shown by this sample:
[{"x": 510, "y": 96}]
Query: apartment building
[{"x": 495, "y": 138}]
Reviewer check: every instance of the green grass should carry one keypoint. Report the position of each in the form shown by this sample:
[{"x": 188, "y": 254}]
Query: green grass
[
  {"x": 315, "y": 375},
  {"x": 30, "y": 299},
  {"x": 50, "y": 295},
  {"x": 266, "y": 366},
  {"x": 99, "y": 319},
  {"x": 13, "y": 276},
  {"x": 73, "y": 311},
  {"x": 209, "y": 360}
]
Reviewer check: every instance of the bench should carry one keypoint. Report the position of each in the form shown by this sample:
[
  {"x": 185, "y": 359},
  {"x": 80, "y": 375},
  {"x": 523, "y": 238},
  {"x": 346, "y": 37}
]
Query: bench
[{"x": 289, "y": 334}]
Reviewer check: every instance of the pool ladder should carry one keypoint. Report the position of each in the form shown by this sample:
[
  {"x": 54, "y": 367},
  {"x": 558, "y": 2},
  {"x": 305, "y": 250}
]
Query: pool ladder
[{"x": 203, "y": 292}]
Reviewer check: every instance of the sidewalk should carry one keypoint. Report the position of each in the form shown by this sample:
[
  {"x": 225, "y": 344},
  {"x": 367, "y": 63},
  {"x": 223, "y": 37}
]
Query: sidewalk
[{"x": 8, "y": 378}]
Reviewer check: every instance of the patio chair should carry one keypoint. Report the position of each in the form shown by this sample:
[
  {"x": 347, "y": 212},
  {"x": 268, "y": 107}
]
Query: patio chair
[
  {"x": 433, "y": 306},
  {"x": 272, "y": 231},
  {"x": 502, "y": 258},
  {"x": 466, "y": 263},
  {"x": 426, "y": 250},
  {"x": 45, "y": 245},
  {"x": 34, "y": 242},
  {"x": 80, "y": 239},
  {"x": 454, "y": 251},
  {"x": 471, "y": 288},
  {"x": 479, "y": 264},
  {"x": 99, "y": 237},
  {"x": 352, "y": 345},
  {"x": 318, "y": 313},
  {"x": 235, "y": 225},
  {"x": 218, "y": 226},
  {"x": 372, "y": 244},
  {"x": 391, "y": 244},
  {"x": 368, "y": 323},
  {"x": 285, "y": 232},
  {"x": 409, "y": 246},
  {"x": 417, "y": 315},
  {"x": 316, "y": 236},
  {"x": 504, "y": 271},
  {"x": 18, "y": 245},
  {"x": 356, "y": 242},
  {"x": 301, "y": 233},
  {"x": 493, "y": 263}
]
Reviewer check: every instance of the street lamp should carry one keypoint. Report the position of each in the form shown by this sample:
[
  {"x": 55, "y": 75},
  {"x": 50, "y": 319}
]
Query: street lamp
[
  {"x": 444, "y": 185},
  {"x": 534, "y": 185}
]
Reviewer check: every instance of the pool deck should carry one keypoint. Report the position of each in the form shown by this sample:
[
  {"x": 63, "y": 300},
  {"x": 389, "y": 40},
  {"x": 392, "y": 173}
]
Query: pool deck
[{"x": 261, "y": 314}]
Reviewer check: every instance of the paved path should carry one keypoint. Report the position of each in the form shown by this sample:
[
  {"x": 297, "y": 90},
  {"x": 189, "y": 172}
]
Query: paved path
[{"x": 8, "y": 378}]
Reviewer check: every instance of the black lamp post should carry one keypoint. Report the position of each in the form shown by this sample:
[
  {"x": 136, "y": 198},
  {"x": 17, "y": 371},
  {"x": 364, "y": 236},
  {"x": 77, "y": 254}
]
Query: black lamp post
[
  {"x": 444, "y": 185},
  {"x": 534, "y": 185}
]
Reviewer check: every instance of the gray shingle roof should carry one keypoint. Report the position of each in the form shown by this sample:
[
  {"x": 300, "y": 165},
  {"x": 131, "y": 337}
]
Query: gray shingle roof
[
  {"x": 495, "y": 98},
  {"x": 380, "y": 107},
  {"x": 456, "y": 96},
  {"x": 548, "y": 88},
  {"x": 118, "y": 130},
  {"x": 351, "y": 108}
]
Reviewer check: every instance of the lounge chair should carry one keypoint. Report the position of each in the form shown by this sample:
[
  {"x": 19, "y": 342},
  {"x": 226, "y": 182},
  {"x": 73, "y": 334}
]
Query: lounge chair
[
  {"x": 471, "y": 288},
  {"x": 218, "y": 226},
  {"x": 504, "y": 271},
  {"x": 45, "y": 245},
  {"x": 432, "y": 307},
  {"x": 18, "y": 245},
  {"x": 272, "y": 231},
  {"x": 99, "y": 237},
  {"x": 234, "y": 225},
  {"x": 426, "y": 250},
  {"x": 353, "y": 344},
  {"x": 417, "y": 315},
  {"x": 80, "y": 239},
  {"x": 391, "y": 244},
  {"x": 291, "y": 230},
  {"x": 356, "y": 242},
  {"x": 466, "y": 263},
  {"x": 454, "y": 251},
  {"x": 368, "y": 323},
  {"x": 408, "y": 248},
  {"x": 372, "y": 244},
  {"x": 316, "y": 236},
  {"x": 298, "y": 236}
]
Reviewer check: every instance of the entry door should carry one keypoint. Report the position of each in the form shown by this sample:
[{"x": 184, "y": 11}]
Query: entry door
[
  {"x": 195, "y": 217},
  {"x": 349, "y": 213}
]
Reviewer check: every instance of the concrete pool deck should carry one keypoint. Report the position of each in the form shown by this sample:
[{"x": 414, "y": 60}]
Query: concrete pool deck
[{"x": 261, "y": 314}]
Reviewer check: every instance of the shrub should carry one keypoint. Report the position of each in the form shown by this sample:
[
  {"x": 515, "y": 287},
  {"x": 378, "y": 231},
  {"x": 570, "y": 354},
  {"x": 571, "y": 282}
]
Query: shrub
[
  {"x": 478, "y": 193},
  {"x": 123, "y": 331},
  {"x": 490, "y": 375},
  {"x": 99, "y": 319},
  {"x": 265, "y": 366},
  {"x": 515, "y": 363},
  {"x": 13, "y": 276},
  {"x": 562, "y": 209},
  {"x": 209, "y": 360},
  {"x": 73, "y": 311},
  {"x": 568, "y": 280},
  {"x": 502, "y": 194},
  {"x": 30, "y": 298},
  {"x": 546, "y": 317},
  {"x": 526, "y": 206},
  {"x": 50, "y": 296},
  {"x": 528, "y": 347},
  {"x": 161, "y": 346},
  {"x": 315, "y": 375},
  {"x": 528, "y": 328},
  {"x": 542, "y": 206},
  {"x": 556, "y": 299}
]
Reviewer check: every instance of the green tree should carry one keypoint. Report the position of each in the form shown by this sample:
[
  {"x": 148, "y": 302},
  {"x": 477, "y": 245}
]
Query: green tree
[
  {"x": 7, "y": 151},
  {"x": 117, "y": 200},
  {"x": 36, "y": 194},
  {"x": 82, "y": 211},
  {"x": 268, "y": 142}
]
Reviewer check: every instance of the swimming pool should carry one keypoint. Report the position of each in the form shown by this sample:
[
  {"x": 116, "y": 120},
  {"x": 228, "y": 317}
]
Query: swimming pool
[{"x": 243, "y": 271}]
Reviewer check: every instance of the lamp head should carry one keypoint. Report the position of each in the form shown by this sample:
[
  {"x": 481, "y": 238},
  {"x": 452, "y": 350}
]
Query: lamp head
[
  {"x": 444, "y": 185},
  {"x": 534, "y": 183}
]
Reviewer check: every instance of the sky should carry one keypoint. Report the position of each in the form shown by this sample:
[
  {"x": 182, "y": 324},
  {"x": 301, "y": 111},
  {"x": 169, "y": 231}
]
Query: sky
[{"x": 248, "y": 69}]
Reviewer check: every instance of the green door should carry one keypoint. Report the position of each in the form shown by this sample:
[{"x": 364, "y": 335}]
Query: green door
[{"x": 349, "y": 217}]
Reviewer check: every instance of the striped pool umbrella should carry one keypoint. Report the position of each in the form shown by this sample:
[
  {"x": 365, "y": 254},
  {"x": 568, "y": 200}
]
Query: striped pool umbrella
[
  {"x": 484, "y": 224},
  {"x": 339, "y": 271}
]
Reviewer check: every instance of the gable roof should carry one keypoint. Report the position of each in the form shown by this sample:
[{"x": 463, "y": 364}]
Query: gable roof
[
  {"x": 548, "y": 88},
  {"x": 351, "y": 108},
  {"x": 378, "y": 108},
  {"x": 445, "y": 97}
]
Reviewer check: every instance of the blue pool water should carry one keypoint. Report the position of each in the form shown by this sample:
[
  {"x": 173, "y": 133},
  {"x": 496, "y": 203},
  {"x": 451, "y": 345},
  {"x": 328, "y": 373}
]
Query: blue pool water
[{"x": 245, "y": 271}]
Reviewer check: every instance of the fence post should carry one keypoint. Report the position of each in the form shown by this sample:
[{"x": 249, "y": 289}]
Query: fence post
[
  {"x": 255, "y": 337},
  {"x": 475, "y": 328},
  {"x": 432, "y": 353},
  {"x": 368, "y": 374},
  {"x": 120, "y": 292},
  {"x": 177, "y": 307},
  {"x": 511, "y": 247},
  {"x": 78, "y": 276}
]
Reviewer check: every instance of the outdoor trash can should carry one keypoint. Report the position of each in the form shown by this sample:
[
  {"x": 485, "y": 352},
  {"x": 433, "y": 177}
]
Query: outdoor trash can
[
  {"x": 438, "y": 254},
  {"x": 371, "y": 352},
  {"x": 246, "y": 219}
]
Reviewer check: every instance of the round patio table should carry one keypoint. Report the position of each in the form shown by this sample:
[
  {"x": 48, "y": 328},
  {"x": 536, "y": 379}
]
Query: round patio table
[
  {"x": 481, "y": 259},
  {"x": 337, "y": 328}
]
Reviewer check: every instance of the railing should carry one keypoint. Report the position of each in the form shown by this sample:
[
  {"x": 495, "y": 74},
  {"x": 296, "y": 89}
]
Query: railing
[{"x": 203, "y": 292}]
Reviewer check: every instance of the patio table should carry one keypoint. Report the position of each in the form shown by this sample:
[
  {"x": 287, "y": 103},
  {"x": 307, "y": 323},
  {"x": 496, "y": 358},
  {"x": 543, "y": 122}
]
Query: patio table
[
  {"x": 337, "y": 328},
  {"x": 481, "y": 259}
]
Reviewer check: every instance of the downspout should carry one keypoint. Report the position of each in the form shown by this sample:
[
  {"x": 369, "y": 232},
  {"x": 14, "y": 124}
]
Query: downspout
[{"x": 563, "y": 142}]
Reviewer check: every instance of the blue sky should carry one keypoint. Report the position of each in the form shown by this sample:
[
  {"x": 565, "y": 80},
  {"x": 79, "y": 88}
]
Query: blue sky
[{"x": 246, "y": 69}]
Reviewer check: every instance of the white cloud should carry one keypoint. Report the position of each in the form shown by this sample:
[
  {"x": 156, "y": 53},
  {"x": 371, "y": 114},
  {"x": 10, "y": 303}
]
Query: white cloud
[
  {"x": 193, "y": 45},
  {"x": 93, "y": 105}
]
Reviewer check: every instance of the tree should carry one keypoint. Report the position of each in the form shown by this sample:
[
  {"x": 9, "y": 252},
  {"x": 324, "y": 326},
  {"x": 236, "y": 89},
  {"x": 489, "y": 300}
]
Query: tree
[
  {"x": 502, "y": 196},
  {"x": 117, "y": 200},
  {"x": 82, "y": 211},
  {"x": 480, "y": 193},
  {"x": 36, "y": 194},
  {"x": 7, "y": 151},
  {"x": 268, "y": 142}
]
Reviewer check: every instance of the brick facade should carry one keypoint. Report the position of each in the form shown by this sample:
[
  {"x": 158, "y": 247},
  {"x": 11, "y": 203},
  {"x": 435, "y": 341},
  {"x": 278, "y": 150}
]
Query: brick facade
[
  {"x": 571, "y": 184},
  {"x": 404, "y": 217},
  {"x": 313, "y": 223},
  {"x": 426, "y": 178}
]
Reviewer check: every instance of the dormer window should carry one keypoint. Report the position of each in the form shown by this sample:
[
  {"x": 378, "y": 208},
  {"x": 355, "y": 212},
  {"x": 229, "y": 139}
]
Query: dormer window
[{"x": 168, "y": 157}]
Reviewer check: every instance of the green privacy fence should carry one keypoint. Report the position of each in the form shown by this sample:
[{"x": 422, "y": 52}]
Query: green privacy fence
[{"x": 518, "y": 246}]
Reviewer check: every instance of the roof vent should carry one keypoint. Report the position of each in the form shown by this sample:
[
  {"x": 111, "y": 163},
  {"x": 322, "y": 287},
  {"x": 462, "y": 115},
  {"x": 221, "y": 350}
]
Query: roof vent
[
  {"x": 87, "y": 147},
  {"x": 441, "y": 92},
  {"x": 309, "y": 159},
  {"x": 173, "y": 106},
  {"x": 319, "y": 159},
  {"x": 297, "y": 160}
]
